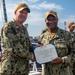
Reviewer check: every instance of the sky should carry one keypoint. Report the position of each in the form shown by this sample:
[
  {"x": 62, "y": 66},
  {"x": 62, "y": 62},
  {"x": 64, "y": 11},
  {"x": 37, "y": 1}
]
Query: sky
[{"x": 36, "y": 19}]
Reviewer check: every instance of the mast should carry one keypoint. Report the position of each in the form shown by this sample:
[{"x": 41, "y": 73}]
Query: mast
[{"x": 4, "y": 11}]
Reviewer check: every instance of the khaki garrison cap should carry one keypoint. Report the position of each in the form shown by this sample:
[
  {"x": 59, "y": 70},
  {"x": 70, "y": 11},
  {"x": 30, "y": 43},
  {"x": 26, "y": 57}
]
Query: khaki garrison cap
[
  {"x": 51, "y": 13},
  {"x": 22, "y": 6}
]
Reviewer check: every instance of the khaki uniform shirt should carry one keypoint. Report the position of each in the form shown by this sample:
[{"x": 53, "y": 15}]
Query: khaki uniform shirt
[
  {"x": 61, "y": 41},
  {"x": 15, "y": 50}
]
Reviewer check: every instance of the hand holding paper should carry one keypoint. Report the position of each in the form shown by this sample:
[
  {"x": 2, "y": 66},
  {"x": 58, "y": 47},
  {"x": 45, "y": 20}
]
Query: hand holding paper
[
  {"x": 57, "y": 60},
  {"x": 45, "y": 53}
]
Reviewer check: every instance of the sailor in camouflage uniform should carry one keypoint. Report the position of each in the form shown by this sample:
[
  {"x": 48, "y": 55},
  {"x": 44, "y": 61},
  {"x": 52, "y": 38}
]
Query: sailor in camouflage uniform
[
  {"x": 16, "y": 46},
  {"x": 71, "y": 27},
  {"x": 61, "y": 40}
]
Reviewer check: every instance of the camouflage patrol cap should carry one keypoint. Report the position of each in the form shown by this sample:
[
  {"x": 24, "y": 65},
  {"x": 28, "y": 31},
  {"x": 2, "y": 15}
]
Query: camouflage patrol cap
[
  {"x": 22, "y": 6},
  {"x": 71, "y": 24},
  {"x": 51, "y": 13}
]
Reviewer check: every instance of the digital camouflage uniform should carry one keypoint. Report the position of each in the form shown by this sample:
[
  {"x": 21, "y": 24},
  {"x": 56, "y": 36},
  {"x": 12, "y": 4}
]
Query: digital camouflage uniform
[
  {"x": 61, "y": 41},
  {"x": 16, "y": 48},
  {"x": 73, "y": 44}
]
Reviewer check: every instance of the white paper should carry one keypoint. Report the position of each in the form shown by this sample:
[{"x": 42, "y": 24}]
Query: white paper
[{"x": 45, "y": 53}]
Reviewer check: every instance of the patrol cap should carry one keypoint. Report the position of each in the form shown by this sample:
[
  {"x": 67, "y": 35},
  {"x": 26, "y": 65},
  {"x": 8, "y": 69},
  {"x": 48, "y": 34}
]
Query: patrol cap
[
  {"x": 71, "y": 24},
  {"x": 51, "y": 13},
  {"x": 22, "y": 6}
]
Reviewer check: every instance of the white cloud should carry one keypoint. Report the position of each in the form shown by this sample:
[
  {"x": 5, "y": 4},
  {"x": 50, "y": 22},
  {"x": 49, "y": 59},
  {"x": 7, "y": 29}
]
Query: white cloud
[
  {"x": 34, "y": 7},
  {"x": 44, "y": 5},
  {"x": 35, "y": 18},
  {"x": 33, "y": 1}
]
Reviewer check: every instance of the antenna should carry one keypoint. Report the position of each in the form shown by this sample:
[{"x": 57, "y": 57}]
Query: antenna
[{"x": 65, "y": 25}]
